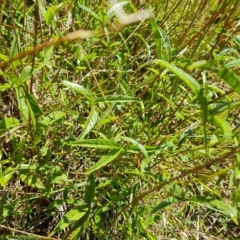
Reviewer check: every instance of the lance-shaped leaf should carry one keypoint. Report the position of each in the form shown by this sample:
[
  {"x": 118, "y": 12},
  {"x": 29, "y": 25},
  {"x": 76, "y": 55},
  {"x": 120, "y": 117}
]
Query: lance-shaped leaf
[
  {"x": 230, "y": 78},
  {"x": 90, "y": 190},
  {"x": 78, "y": 88},
  {"x": 189, "y": 81},
  {"x": 142, "y": 149},
  {"x": 105, "y": 160},
  {"x": 90, "y": 123},
  {"x": 95, "y": 143},
  {"x": 75, "y": 214}
]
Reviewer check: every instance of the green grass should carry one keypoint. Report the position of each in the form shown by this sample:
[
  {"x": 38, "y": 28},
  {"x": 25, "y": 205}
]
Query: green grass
[{"x": 126, "y": 132}]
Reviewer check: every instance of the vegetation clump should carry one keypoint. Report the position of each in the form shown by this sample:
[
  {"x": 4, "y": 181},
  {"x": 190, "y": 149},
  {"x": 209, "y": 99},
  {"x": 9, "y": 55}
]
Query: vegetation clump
[{"x": 110, "y": 130}]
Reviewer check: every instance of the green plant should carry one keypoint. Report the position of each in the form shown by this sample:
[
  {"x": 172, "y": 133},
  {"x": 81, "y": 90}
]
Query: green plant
[{"x": 119, "y": 132}]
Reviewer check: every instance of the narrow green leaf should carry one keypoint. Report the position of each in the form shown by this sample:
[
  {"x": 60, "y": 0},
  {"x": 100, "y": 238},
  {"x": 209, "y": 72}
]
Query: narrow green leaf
[
  {"x": 165, "y": 42},
  {"x": 70, "y": 217},
  {"x": 230, "y": 78},
  {"x": 90, "y": 190},
  {"x": 78, "y": 228},
  {"x": 188, "y": 79},
  {"x": 120, "y": 99},
  {"x": 34, "y": 111},
  {"x": 167, "y": 202},
  {"x": 22, "y": 105},
  {"x": 145, "y": 232},
  {"x": 8, "y": 123},
  {"x": 226, "y": 208},
  {"x": 34, "y": 105},
  {"x": 184, "y": 136},
  {"x": 104, "y": 160},
  {"x": 51, "y": 12},
  {"x": 46, "y": 55},
  {"x": 223, "y": 106},
  {"x": 37, "y": 135},
  {"x": 198, "y": 64},
  {"x": 135, "y": 171},
  {"x": 3, "y": 57},
  {"x": 78, "y": 88},
  {"x": 125, "y": 88},
  {"x": 41, "y": 6},
  {"x": 90, "y": 123},
  {"x": 147, "y": 47},
  {"x": 190, "y": 82},
  {"x": 157, "y": 38},
  {"x": 224, "y": 125},
  {"x": 96, "y": 143},
  {"x": 88, "y": 10},
  {"x": 31, "y": 179},
  {"x": 142, "y": 149},
  {"x": 5, "y": 86},
  {"x": 233, "y": 63},
  {"x": 53, "y": 117},
  {"x": 6, "y": 176},
  {"x": 25, "y": 75},
  {"x": 2, "y": 203}
]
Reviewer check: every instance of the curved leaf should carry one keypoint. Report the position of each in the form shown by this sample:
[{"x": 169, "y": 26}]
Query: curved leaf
[
  {"x": 105, "y": 160},
  {"x": 224, "y": 125},
  {"x": 70, "y": 217},
  {"x": 165, "y": 203},
  {"x": 53, "y": 117},
  {"x": 189, "y": 81},
  {"x": 142, "y": 149},
  {"x": 90, "y": 123},
  {"x": 51, "y": 12},
  {"x": 233, "y": 63},
  {"x": 96, "y": 143},
  {"x": 157, "y": 38},
  {"x": 223, "y": 106},
  {"x": 230, "y": 78},
  {"x": 8, "y": 123},
  {"x": 25, "y": 74},
  {"x": 91, "y": 12},
  {"x": 226, "y": 208},
  {"x": 78, "y": 88}
]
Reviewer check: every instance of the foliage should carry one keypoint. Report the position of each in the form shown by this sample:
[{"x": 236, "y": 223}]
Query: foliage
[{"x": 119, "y": 131}]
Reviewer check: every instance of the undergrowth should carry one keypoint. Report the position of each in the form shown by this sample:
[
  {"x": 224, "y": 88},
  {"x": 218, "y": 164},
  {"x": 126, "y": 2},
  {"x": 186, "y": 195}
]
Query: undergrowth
[{"x": 123, "y": 131}]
